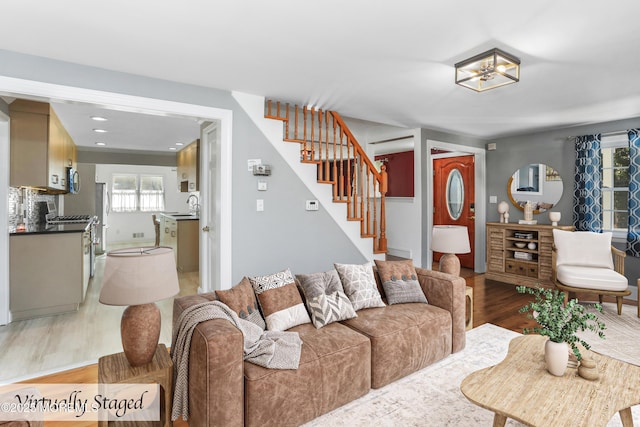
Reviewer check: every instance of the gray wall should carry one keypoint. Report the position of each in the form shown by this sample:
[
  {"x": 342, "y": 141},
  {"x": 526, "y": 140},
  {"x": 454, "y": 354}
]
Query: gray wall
[
  {"x": 556, "y": 149},
  {"x": 4, "y": 107},
  {"x": 284, "y": 235}
]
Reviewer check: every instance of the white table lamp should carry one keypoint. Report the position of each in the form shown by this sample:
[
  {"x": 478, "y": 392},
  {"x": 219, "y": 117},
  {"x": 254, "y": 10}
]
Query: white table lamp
[{"x": 450, "y": 240}]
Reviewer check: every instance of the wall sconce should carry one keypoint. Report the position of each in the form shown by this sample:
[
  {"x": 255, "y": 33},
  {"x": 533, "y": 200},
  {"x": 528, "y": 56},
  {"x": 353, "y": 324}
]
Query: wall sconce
[{"x": 488, "y": 70}]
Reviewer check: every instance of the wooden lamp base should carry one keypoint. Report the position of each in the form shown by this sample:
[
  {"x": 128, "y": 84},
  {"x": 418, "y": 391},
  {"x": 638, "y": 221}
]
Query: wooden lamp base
[{"x": 140, "y": 331}]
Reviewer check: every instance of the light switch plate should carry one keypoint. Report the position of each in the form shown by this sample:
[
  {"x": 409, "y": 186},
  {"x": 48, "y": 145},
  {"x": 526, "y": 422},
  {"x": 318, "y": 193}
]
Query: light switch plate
[
  {"x": 493, "y": 199},
  {"x": 259, "y": 205},
  {"x": 262, "y": 185},
  {"x": 252, "y": 162}
]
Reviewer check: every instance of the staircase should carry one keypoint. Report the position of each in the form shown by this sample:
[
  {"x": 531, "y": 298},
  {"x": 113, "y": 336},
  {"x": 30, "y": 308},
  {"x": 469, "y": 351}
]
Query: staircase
[{"x": 326, "y": 142}]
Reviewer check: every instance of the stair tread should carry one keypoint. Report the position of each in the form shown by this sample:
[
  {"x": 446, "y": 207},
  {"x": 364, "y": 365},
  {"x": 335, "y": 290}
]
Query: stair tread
[
  {"x": 284, "y": 119},
  {"x": 355, "y": 218}
]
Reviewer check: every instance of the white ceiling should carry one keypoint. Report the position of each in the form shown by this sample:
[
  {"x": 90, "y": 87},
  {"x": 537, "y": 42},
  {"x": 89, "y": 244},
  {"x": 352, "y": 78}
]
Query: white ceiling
[{"x": 384, "y": 61}]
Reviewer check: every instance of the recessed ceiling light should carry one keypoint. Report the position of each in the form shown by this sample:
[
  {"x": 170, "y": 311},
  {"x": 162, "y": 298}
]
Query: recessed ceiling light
[
  {"x": 100, "y": 130},
  {"x": 101, "y": 144},
  {"x": 99, "y": 119},
  {"x": 172, "y": 148},
  {"x": 179, "y": 144}
]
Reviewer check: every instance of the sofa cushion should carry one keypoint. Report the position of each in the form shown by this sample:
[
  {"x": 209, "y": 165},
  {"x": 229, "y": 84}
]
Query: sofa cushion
[
  {"x": 404, "y": 338},
  {"x": 583, "y": 248},
  {"x": 325, "y": 298},
  {"x": 400, "y": 281},
  {"x": 359, "y": 285},
  {"x": 242, "y": 300},
  {"x": 591, "y": 278},
  {"x": 335, "y": 368},
  {"x": 280, "y": 300}
]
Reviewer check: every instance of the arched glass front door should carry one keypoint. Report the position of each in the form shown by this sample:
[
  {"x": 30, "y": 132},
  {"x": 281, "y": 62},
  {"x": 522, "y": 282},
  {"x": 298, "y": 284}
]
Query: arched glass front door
[{"x": 455, "y": 194}]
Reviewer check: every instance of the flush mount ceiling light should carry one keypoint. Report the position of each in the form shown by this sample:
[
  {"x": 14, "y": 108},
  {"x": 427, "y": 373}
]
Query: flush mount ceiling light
[
  {"x": 100, "y": 130},
  {"x": 99, "y": 118},
  {"x": 491, "y": 69}
]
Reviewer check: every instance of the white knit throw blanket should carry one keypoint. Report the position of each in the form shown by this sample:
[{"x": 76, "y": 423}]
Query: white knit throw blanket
[{"x": 270, "y": 349}]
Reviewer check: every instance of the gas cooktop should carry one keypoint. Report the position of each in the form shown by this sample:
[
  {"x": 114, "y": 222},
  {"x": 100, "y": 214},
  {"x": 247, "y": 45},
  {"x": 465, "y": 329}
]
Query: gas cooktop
[{"x": 70, "y": 219}]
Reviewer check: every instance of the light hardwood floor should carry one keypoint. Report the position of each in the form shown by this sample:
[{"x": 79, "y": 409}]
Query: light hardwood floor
[{"x": 40, "y": 346}]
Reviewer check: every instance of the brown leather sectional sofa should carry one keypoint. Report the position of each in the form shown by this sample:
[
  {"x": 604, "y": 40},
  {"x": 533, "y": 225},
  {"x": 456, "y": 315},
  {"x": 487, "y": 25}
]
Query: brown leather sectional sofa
[{"x": 339, "y": 362}]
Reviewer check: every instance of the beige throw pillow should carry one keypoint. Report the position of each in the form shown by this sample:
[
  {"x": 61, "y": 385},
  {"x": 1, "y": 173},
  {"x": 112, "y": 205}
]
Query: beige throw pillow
[{"x": 359, "y": 285}]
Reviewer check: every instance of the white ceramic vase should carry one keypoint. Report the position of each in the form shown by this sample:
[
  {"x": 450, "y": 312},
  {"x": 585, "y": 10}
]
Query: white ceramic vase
[
  {"x": 556, "y": 355},
  {"x": 554, "y": 217}
]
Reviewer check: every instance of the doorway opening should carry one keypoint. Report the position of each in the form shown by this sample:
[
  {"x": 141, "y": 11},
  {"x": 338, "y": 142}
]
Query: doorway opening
[
  {"x": 442, "y": 150},
  {"x": 46, "y": 92}
]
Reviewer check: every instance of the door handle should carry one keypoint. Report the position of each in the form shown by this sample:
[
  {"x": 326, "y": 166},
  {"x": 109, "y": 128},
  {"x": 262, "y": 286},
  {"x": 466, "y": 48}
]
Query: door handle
[{"x": 205, "y": 228}]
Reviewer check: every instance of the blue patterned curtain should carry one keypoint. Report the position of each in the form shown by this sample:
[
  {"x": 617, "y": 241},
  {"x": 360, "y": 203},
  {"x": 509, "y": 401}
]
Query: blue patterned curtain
[
  {"x": 633, "y": 234},
  {"x": 587, "y": 188}
]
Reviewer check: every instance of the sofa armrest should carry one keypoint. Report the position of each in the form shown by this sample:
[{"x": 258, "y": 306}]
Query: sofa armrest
[
  {"x": 448, "y": 292},
  {"x": 216, "y": 369}
]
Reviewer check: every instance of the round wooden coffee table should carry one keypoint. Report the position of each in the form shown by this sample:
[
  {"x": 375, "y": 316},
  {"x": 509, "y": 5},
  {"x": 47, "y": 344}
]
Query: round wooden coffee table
[{"x": 520, "y": 388}]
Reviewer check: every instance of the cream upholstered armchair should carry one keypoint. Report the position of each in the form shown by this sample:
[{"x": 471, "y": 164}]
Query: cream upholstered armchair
[{"x": 586, "y": 262}]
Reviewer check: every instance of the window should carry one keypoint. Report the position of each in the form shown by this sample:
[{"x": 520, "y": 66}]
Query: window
[
  {"x": 615, "y": 184},
  {"x": 124, "y": 193},
  {"x": 131, "y": 193},
  {"x": 151, "y": 193}
]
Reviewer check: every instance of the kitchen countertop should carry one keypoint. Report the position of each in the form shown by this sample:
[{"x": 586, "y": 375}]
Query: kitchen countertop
[
  {"x": 50, "y": 229},
  {"x": 181, "y": 216}
]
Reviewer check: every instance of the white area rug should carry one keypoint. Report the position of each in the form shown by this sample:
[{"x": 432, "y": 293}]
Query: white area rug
[
  {"x": 432, "y": 397},
  {"x": 622, "y": 336}
]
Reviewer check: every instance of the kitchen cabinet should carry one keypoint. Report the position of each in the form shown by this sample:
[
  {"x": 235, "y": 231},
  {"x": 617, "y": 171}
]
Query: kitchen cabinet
[
  {"x": 188, "y": 161},
  {"x": 182, "y": 234},
  {"x": 41, "y": 148},
  {"x": 49, "y": 273},
  {"x": 520, "y": 254}
]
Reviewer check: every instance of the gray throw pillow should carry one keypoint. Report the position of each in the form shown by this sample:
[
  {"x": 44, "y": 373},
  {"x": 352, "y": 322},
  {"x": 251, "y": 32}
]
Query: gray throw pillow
[
  {"x": 400, "y": 282},
  {"x": 325, "y": 298}
]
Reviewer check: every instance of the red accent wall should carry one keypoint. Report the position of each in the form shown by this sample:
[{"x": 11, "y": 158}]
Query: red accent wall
[{"x": 400, "y": 173}]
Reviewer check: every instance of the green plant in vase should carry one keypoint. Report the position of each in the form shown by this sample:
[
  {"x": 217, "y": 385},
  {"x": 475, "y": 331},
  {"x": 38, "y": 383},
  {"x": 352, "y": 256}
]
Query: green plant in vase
[{"x": 558, "y": 321}]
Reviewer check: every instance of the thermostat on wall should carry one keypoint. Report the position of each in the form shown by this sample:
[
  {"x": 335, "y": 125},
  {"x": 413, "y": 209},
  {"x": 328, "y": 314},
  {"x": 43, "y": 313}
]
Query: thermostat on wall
[
  {"x": 312, "y": 205},
  {"x": 262, "y": 170}
]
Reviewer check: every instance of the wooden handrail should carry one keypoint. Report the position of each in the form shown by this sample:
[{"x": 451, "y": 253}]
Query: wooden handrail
[{"x": 341, "y": 161}]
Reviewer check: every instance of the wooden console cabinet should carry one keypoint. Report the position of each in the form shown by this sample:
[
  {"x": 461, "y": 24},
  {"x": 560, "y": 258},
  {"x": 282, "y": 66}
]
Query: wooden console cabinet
[{"x": 508, "y": 263}]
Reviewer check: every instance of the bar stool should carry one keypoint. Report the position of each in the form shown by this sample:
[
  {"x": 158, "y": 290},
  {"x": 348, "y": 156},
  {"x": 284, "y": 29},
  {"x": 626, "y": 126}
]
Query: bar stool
[{"x": 156, "y": 225}]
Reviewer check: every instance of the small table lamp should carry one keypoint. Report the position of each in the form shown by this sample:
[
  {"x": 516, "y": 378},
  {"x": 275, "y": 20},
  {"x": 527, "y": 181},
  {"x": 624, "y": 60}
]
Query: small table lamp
[
  {"x": 138, "y": 277},
  {"x": 451, "y": 240}
]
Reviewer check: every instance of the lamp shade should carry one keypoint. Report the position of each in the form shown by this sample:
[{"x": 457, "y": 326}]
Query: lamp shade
[
  {"x": 135, "y": 276},
  {"x": 450, "y": 239}
]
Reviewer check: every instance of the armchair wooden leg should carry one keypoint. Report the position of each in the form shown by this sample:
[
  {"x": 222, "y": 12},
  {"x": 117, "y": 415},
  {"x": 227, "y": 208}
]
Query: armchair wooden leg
[{"x": 619, "y": 302}]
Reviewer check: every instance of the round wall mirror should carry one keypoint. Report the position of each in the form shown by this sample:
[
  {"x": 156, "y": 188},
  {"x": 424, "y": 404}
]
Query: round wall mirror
[{"x": 538, "y": 183}]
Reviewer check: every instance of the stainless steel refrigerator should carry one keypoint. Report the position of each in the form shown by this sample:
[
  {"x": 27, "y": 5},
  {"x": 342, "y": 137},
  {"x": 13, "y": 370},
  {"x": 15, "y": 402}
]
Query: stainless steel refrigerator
[{"x": 102, "y": 213}]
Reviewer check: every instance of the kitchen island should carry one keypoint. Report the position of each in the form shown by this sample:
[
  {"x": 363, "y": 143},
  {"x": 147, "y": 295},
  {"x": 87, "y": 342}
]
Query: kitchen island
[
  {"x": 50, "y": 269},
  {"x": 181, "y": 232}
]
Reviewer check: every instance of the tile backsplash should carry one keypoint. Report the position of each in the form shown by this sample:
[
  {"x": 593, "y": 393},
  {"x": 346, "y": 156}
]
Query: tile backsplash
[{"x": 29, "y": 198}]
